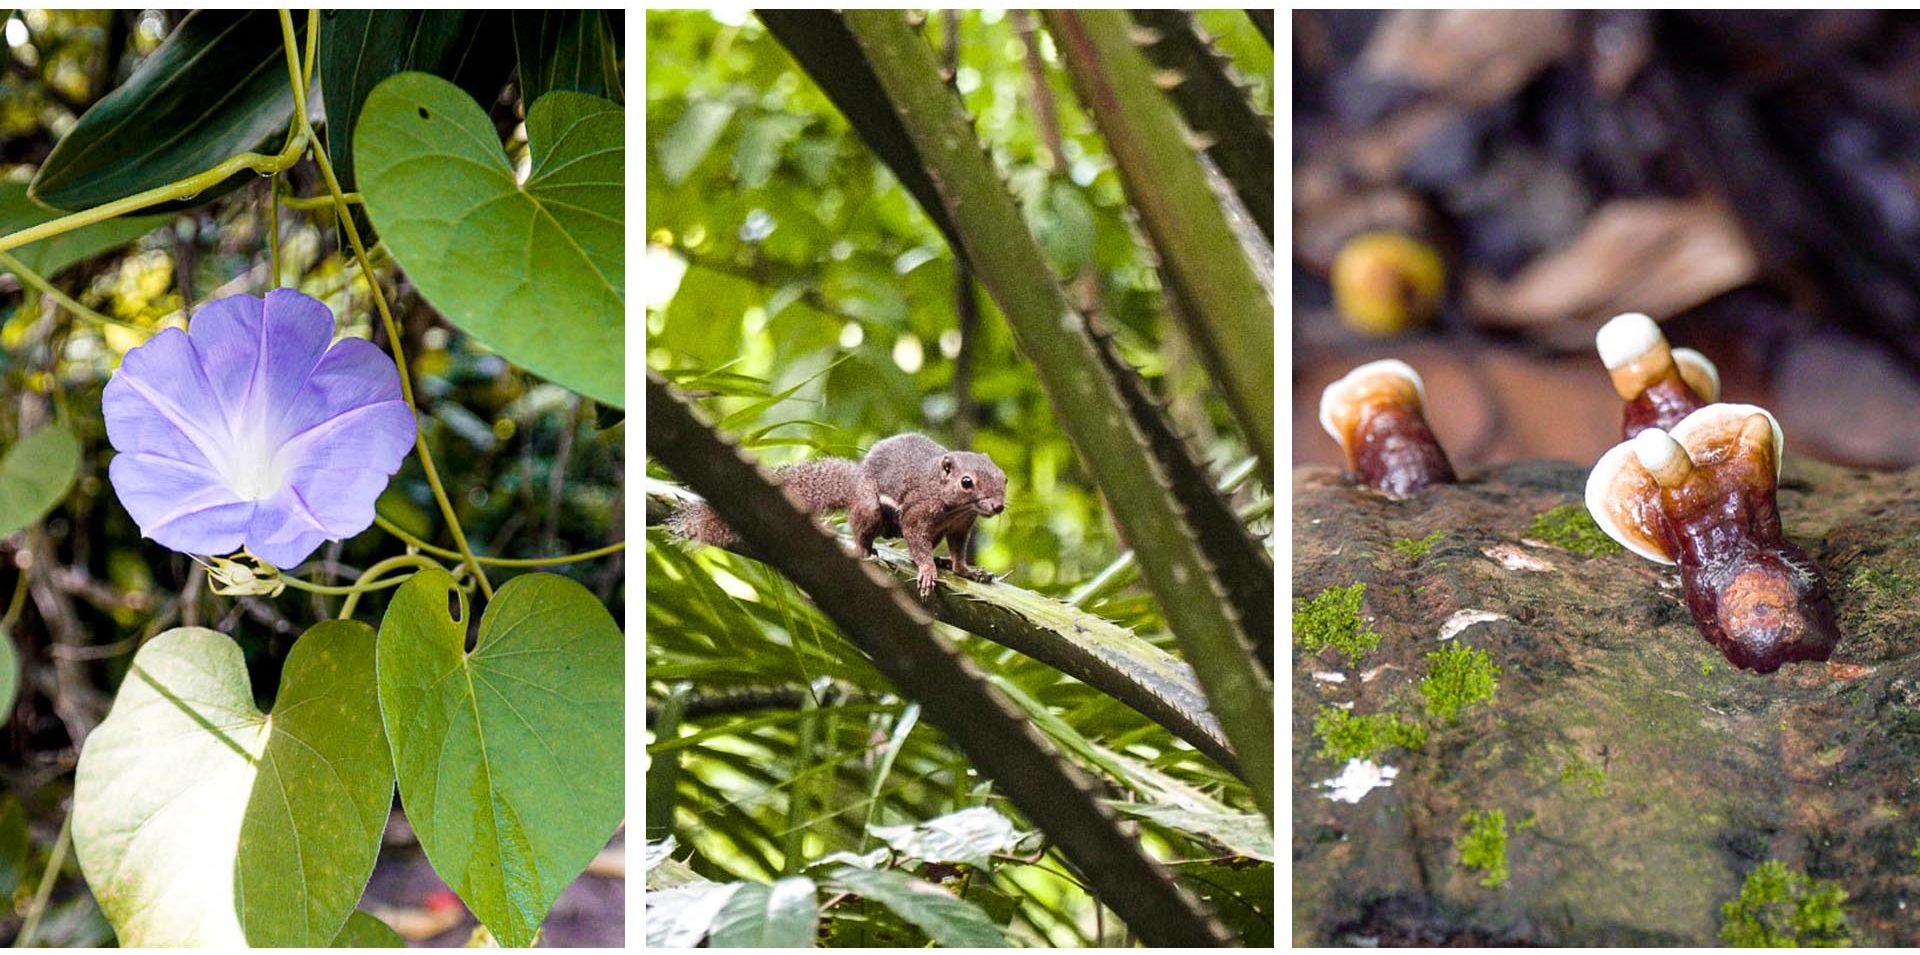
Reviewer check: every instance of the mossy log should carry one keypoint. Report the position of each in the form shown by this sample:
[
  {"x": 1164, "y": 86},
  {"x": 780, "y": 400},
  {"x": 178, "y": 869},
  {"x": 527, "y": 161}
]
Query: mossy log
[{"x": 1643, "y": 777}]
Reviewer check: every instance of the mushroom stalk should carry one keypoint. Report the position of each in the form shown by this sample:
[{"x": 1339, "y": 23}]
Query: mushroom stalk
[
  {"x": 1377, "y": 413},
  {"x": 1660, "y": 385},
  {"x": 1703, "y": 496}
]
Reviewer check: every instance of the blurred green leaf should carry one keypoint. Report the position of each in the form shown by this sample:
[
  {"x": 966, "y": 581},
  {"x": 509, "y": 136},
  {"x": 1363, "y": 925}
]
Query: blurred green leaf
[
  {"x": 15, "y": 843},
  {"x": 510, "y": 757},
  {"x": 534, "y": 270},
  {"x": 185, "y": 772},
  {"x": 687, "y": 143},
  {"x": 50, "y": 256},
  {"x": 216, "y": 87},
  {"x": 35, "y": 474}
]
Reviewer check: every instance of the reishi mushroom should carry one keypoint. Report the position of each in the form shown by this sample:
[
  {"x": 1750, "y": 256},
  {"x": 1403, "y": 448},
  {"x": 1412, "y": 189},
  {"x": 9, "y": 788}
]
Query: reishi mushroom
[
  {"x": 1660, "y": 385},
  {"x": 1377, "y": 413},
  {"x": 1703, "y": 496}
]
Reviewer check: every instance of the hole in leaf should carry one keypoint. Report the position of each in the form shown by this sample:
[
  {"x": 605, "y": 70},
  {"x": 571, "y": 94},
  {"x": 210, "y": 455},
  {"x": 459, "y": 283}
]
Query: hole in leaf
[
  {"x": 424, "y": 114},
  {"x": 453, "y": 605}
]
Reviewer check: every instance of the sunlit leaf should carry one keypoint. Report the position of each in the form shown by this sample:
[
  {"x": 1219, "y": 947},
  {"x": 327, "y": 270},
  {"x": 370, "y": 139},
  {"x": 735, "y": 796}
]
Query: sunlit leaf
[
  {"x": 930, "y": 908},
  {"x": 970, "y": 836},
  {"x": 532, "y": 269},
  {"x": 217, "y": 86},
  {"x": 511, "y": 758},
  {"x": 200, "y": 821},
  {"x": 35, "y": 474},
  {"x": 680, "y": 917},
  {"x": 1247, "y": 833},
  {"x": 785, "y": 914}
]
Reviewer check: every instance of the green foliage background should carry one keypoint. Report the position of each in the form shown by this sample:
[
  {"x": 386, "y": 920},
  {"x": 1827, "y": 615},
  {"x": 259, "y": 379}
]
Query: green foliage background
[{"x": 792, "y": 281}]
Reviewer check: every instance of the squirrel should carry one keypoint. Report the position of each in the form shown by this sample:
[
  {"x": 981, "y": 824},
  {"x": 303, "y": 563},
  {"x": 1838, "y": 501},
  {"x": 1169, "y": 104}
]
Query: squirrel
[{"x": 907, "y": 486}]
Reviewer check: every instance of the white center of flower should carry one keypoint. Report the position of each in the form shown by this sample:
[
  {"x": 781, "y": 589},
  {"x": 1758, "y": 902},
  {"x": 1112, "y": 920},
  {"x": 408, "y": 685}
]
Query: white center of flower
[{"x": 253, "y": 470}]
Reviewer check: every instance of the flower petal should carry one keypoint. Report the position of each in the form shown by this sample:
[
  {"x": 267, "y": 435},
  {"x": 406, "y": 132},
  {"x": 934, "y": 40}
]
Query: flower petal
[
  {"x": 257, "y": 354},
  {"x": 159, "y": 403},
  {"x": 284, "y": 530},
  {"x": 350, "y": 406},
  {"x": 180, "y": 506}
]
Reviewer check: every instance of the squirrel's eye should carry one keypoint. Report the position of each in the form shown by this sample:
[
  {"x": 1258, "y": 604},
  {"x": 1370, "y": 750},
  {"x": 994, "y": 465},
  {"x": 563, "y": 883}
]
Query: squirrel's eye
[{"x": 967, "y": 482}]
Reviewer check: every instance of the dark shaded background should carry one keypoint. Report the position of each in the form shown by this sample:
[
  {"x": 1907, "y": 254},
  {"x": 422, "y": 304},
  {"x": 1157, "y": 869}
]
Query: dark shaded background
[{"x": 1750, "y": 179}]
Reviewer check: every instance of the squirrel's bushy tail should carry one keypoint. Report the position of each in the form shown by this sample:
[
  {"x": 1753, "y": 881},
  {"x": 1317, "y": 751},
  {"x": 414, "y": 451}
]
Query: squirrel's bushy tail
[{"x": 817, "y": 486}]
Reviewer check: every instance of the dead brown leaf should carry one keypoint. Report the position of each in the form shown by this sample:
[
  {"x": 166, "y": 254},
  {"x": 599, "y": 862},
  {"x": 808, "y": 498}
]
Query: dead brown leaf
[
  {"x": 1658, "y": 256},
  {"x": 1472, "y": 57}
]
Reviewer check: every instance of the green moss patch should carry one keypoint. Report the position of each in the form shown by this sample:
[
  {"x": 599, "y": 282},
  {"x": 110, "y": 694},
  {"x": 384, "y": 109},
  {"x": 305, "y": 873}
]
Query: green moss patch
[
  {"x": 1780, "y": 907},
  {"x": 1458, "y": 677},
  {"x": 1415, "y": 549},
  {"x": 1570, "y": 527},
  {"x": 1332, "y": 619},
  {"x": 1484, "y": 845},
  {"x": 1582, "y": 770},
  {"x": 1344, "y": 735}
]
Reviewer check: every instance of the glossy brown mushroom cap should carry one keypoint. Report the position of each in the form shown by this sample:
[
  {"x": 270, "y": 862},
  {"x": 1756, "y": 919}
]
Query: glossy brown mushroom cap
[
  {"x": 1377, "y": 413},
  {"x": 1703, "y": 496}
]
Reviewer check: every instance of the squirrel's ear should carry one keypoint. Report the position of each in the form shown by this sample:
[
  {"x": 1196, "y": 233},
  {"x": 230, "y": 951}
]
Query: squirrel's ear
[{"x": 946, "y": 464}]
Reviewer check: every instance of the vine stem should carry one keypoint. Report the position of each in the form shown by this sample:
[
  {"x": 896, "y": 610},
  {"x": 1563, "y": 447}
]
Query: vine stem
[
  {"x": 309, "y": 203},
  {"x": 361, "y": 586},
  {"x": 408, "y": 538},
  {"x": 379, "y": 295},
  {"x": 35, "y": 279},
  {"x": 273, "y": 228},
  {"x": 18, "y": 604},
  {"x": 328, "y": 590},
  {"x": 178, "y": 189},
  {"x": 38, "y": 907}
]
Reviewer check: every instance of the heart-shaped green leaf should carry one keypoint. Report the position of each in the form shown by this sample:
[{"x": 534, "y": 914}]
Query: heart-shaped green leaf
[
  {"x": 511, "y": 758},
  {"x": 199, "y": 821},
  {"x": 215, "y": 88},
  {"x": 35, "y": 474},
  {"x": 48, "y": 256},
  {"x": 359, "y": 48},
  {"x": 532, "y": 269}
]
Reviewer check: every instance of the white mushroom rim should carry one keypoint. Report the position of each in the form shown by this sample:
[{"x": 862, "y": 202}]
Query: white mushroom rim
[
  {"x": 1623, "y": 489},
  {"x": 1339, "y": 392}
]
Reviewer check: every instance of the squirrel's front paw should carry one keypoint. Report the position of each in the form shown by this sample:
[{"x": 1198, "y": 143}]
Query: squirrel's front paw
[
  {"x": 979, "y": 576},
  {"x": 926, "y": 580}
]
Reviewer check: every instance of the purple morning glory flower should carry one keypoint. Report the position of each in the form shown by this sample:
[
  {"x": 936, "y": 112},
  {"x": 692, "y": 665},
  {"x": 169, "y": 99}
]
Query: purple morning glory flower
[{"x": 247, "y": 430}]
